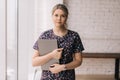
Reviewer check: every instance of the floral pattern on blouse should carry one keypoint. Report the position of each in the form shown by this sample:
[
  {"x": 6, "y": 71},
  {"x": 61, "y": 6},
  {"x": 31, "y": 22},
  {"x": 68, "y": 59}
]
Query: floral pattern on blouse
[{"x": 71, "y": 44}]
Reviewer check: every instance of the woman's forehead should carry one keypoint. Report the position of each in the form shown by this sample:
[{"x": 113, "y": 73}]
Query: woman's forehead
[{"x": 59, "y": 11}]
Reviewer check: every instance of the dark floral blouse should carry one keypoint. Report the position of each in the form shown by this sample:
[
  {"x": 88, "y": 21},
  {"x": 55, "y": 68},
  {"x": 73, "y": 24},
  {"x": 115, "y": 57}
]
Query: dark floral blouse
[{"x": 71, "y": 43}]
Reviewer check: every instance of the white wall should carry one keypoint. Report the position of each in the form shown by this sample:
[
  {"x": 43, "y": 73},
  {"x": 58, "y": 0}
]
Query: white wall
[
  {"x": 25, "y": 39},
  {"x": 3, "y": 39},
  {"x": 11, "y": 39},
  {"x": 98, "y": 22}
]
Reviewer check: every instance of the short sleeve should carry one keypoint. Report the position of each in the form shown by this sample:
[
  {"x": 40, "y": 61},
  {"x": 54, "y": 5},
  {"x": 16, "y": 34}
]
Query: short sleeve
[
  {"x": 35, "y": 46},
  {"x": 44, "y": 35},
  {"x": 78, "y": 46}
]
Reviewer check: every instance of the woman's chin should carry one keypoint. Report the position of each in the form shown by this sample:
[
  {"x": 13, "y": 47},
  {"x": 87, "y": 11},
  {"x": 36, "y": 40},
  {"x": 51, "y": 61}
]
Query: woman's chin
[{"x": 59, "y": 25}]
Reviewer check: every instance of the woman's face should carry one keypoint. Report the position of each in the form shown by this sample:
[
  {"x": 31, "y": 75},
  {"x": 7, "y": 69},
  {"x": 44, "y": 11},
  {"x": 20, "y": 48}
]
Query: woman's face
[{"x": 59, "y": 18}]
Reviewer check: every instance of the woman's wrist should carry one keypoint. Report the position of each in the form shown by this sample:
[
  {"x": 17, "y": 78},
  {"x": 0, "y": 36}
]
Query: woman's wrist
[
  {"x": 64, "y": 67},
  {"x": 51, "y": 55}
]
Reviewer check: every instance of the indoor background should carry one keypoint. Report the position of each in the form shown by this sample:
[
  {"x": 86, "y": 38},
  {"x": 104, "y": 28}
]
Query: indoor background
[{"x": 22, "y": 21}]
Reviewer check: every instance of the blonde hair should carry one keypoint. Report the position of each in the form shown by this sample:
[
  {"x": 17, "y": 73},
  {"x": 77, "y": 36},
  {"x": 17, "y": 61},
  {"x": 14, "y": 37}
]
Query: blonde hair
[{"x": 62, "y": 7}]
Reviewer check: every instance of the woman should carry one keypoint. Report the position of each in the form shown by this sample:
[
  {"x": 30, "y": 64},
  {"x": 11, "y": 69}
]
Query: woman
[{"x": 69, "y": 50}]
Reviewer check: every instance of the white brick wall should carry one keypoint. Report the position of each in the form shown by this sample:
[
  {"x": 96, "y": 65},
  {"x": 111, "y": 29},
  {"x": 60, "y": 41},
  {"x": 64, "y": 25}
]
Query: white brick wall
[
  {"x": 96, "y": 66},
  {"x": 98, "y": 22}
]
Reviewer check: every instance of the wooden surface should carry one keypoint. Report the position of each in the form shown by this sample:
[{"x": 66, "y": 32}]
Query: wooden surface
[
  {"x": 95, "y": 77},
  {"x": 101, "y": 55}
]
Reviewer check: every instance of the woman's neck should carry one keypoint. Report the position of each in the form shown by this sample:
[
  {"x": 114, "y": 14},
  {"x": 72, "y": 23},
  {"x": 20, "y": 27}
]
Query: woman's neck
[{"x": 60, "y": 31}]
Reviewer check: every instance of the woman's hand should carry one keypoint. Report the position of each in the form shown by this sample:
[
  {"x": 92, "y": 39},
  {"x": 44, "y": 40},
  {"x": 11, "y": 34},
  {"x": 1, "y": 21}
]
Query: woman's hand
[
  {"x": 56, "y": 54},
  {"x": 56, "y": 68}
]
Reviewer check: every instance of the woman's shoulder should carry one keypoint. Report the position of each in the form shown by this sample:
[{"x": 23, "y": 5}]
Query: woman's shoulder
[
  {"x": 46, "y": 33},
  {"x": 72, "y": 32}
]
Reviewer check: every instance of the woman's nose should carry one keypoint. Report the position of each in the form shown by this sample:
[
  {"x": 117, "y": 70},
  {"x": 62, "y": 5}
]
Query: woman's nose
[{"x": 59, "y": 18}]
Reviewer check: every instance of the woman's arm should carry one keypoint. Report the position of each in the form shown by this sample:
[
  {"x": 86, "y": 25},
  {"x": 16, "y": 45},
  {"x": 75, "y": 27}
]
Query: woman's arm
[
  {"x": 75, "y": 63},
  {"x": 38, "y": 60}
]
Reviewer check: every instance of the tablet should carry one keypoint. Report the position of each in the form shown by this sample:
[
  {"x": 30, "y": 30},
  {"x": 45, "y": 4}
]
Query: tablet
[{"x": 45, "y": 47}]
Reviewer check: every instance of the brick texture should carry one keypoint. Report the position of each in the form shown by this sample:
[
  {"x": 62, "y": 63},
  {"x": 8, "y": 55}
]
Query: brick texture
[{"x": 98, "y": 23}]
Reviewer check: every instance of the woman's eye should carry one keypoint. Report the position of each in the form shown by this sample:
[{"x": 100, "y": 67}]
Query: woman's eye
[
  {"x": 63, "y": 15},
  {"x": 56, "y": 15}
]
